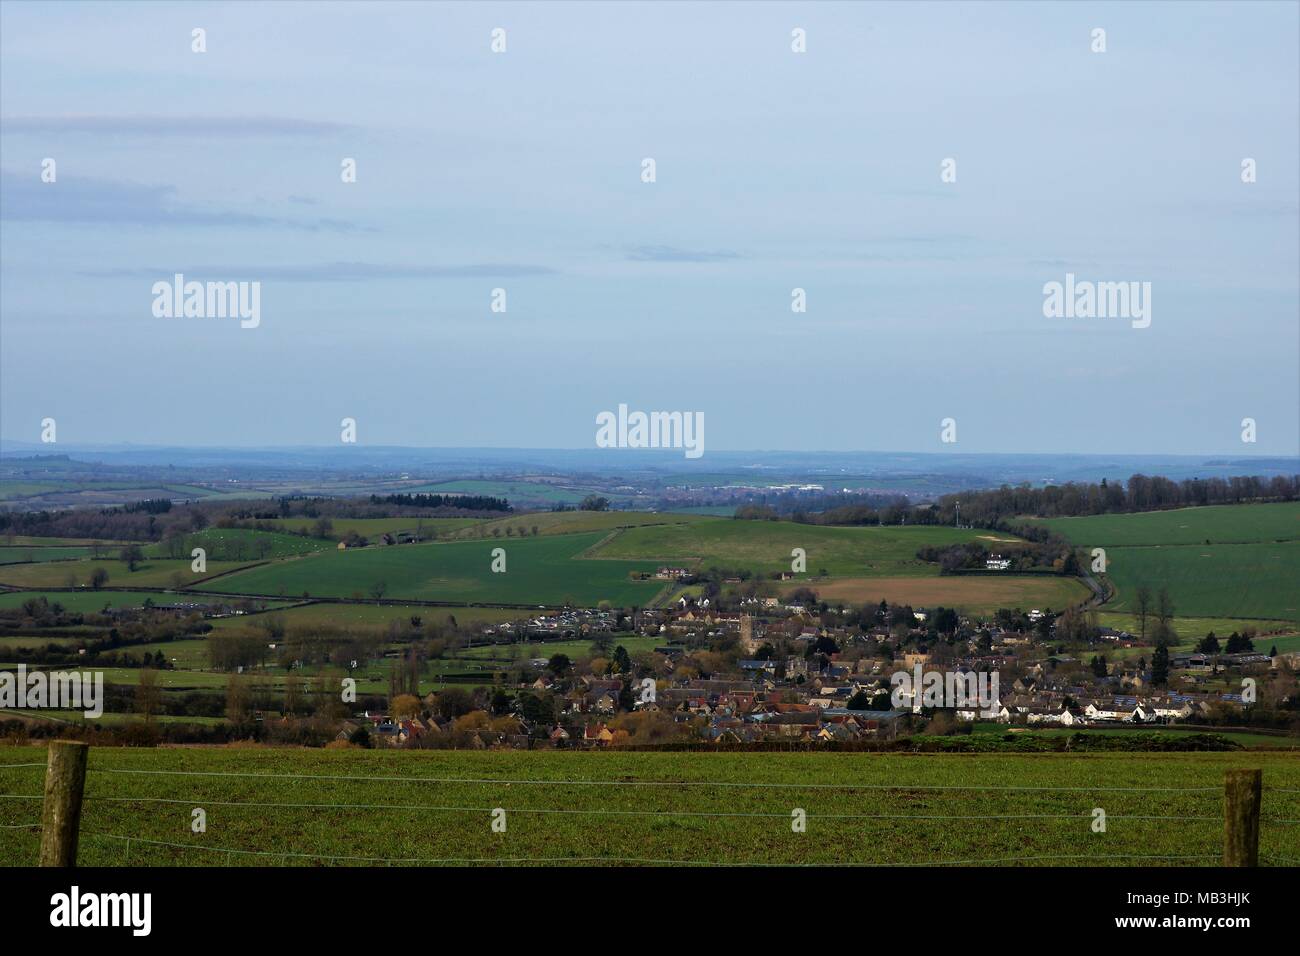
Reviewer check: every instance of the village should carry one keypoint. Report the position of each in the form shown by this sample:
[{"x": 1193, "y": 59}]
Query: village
[{"x": 788, "y": 672}]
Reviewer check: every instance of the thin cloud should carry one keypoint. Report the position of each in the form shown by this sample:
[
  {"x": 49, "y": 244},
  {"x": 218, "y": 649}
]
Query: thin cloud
[
  {"x": 335, "y": 271},
  {"x": 25, "y": 198},
  {"x": 674, "y": 254},
  {"x": 153, "y": 125}
]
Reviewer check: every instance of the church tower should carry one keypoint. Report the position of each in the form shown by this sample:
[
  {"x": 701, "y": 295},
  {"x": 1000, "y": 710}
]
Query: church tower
[{"x": 747, "y": 642}]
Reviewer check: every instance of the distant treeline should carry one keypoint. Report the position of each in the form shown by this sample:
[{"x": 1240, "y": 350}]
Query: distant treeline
[
  {"x": 1141, "y": 493},
  {"x": 763, "y": 504},
  {"x": 375, "y": 506},
  {"x": 465, "y": 502},
  {"x": 114, "y": 524},
  {"x": 148, "y": 506}
]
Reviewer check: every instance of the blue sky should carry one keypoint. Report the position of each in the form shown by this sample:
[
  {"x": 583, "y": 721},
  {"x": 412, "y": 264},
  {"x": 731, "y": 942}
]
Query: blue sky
[{"x": 775, "y": 170}]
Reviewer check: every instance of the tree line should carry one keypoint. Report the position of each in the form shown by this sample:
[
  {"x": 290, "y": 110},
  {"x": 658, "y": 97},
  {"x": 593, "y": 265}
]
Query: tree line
[
  {"x": 464, "y": 502},
  {"x": 1140, "y": 493}
]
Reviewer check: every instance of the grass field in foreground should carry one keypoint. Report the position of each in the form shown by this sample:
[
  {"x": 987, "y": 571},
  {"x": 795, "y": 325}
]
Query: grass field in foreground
[
  {"x": 435, "y": 806},
  {"x": 766, "y": 546},
  {"x": 1245, "y": 738},
  {"x": 541, "y": 570}
]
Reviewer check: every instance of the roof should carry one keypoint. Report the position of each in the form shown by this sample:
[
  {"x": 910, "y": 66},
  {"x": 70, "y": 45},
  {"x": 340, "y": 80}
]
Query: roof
[{"x": 864, "y": 714}]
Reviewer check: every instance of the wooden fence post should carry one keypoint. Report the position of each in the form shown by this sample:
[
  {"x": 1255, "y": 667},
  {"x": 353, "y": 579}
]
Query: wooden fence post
[
  {"x": 65, "y": 778},
  {"x": 1241, "y": 794}
]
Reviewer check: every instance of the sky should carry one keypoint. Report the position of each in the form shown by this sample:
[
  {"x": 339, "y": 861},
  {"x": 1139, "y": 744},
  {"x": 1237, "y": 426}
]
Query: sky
[{"x": 774, "y": 170}]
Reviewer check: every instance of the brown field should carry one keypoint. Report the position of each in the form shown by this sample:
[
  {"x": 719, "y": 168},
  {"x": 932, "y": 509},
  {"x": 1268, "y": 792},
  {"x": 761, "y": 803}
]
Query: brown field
[{"x": 979, "y": 594}]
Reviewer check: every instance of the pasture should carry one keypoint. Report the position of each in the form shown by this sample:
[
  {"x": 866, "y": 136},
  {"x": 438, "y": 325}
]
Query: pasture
[
  {"x": 151, "y": 573},
  {"x": 574, "y": 522},
  {"x": 1192, "y": 629},
  {"x": 20, "y": 554},
  {"x": 974, "y": 594},
  {"x": 239, "y": 545},
  {"x": 1219, "y": 524},
  {"x": 311, "y": 807},
  {"x": 541, "y": 570},
  {"x": 1226, "y": 580},
  {"x": 1248, "y": 568},
  {"x": 375, "y": 617},
  {"x": 373, "y": 528},
  {"x": 85, "y": 601},
  {"x": 765, "y": 546}
]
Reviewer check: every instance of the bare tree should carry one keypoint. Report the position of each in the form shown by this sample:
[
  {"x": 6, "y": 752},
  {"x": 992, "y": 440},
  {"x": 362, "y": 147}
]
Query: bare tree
[
  {"x": 147, "y": 694},
  {"x": 1143, "y": 607}
]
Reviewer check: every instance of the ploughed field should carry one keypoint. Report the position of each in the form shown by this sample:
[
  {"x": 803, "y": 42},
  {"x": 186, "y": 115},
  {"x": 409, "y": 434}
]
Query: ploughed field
[
  {"x": 976, "y": 594},
  {"x": 311, "y": 807}
]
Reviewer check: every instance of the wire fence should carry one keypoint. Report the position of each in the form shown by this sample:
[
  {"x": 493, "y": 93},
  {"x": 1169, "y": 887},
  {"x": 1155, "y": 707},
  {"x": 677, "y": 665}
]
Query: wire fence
[{"x": 1195, "y": 812}]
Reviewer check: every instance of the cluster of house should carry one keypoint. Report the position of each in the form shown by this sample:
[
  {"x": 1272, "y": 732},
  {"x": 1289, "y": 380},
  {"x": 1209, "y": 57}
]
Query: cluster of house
[
  {"x": 843, "y": 695},
  {"x": 567, "y": 623}
]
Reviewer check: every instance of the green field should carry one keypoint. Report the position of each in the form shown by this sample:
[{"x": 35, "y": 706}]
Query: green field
[
  {"x": 1248, "y": 570},
  {"x": 1219, "y": 524},
  {"x": 1227, "y": 580},
  {"x": 1192, "y": 629},
  {"x": 1245, "y": 738},
  {"x": 9, "y": 642},
  {"x": 152, "y": 573},
  {"x": 766, "y": 546},
  {"x": 16, "y": 555},
  {"x": 375, "y": 616},
  {"x": 373, "y": 528},
  {"x": 88, "y": 601},
  {"x": 575, "y": 522},
  {"x": 189, "y": 654},
  {"x": 541, "y": 570},
  {"x": 241, "y": 544},
  {"x": 24, "y": 489},
  {"x": 115, "y": 720},
  {"x": 293, "y": 807},
  {"x": 1286, "y": 644},
  {"x": 26, "y": 540}
]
